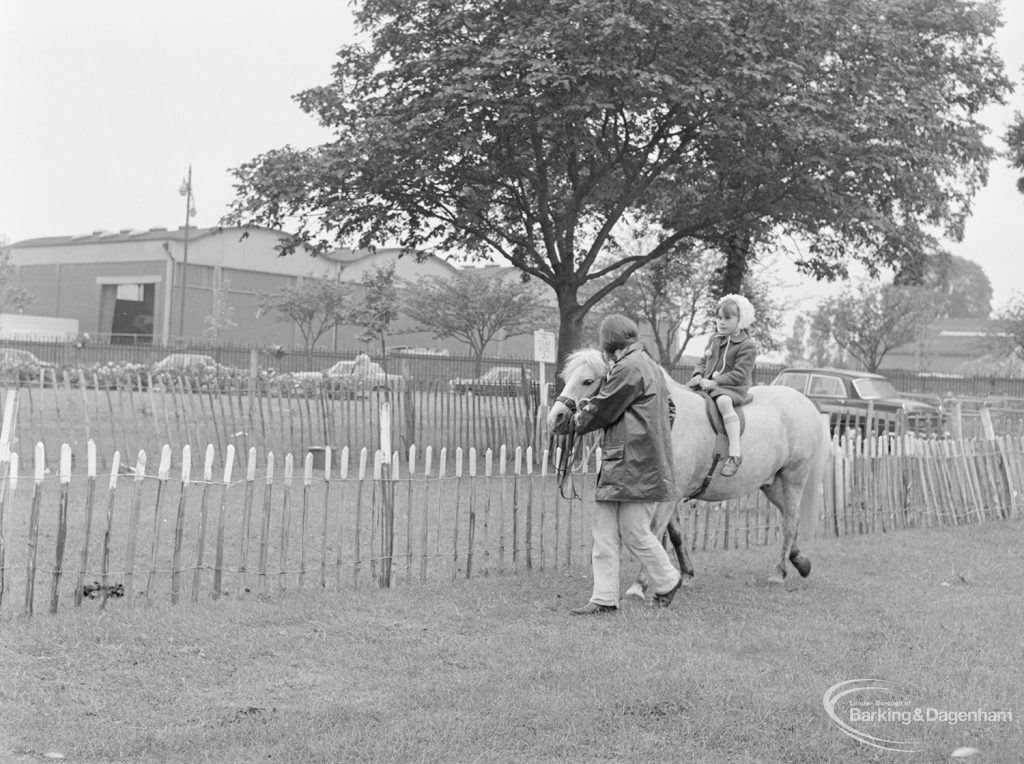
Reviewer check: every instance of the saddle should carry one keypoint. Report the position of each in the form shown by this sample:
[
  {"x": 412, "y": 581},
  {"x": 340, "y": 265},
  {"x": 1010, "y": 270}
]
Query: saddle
[
  {"x": 715, "y": 416},
  {"x": 721, "y": 447}
]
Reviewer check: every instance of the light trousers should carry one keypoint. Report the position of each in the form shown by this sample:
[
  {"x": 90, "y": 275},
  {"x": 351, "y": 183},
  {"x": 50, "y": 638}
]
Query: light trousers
[{"x": 627, "y": 522}]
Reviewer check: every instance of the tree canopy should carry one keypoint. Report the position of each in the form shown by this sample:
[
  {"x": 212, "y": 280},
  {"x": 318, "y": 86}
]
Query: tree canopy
[
  {"x": 1014, "y": 139},
  {"x": 526, "y": 129}
]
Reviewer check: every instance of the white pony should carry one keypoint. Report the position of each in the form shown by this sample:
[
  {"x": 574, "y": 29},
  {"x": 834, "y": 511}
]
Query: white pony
[{"x": 785, "y": 445}]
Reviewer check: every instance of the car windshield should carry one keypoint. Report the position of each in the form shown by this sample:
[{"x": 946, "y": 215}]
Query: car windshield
[
  {"x": 17, "y": 356},
  {"x": 502, "y": 374},
  {"x": 870, "y": 388},
  {"x": 796, "y": 381},
  {"x": 341, "y": 367}
]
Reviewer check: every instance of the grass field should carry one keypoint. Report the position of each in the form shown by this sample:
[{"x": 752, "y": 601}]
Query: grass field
[{"x": 493, "y": 669}]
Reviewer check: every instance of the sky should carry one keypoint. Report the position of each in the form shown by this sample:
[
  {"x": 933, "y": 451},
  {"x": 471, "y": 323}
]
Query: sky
[{"x": 105, "y": 105}]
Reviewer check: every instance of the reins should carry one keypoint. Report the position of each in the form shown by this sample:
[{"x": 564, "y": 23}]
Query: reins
[{"x": 563, "y": 466}]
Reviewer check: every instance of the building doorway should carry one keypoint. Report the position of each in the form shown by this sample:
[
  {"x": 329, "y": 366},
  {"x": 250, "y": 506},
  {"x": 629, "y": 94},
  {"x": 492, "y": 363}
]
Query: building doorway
[{"x": 132, "y": 322}]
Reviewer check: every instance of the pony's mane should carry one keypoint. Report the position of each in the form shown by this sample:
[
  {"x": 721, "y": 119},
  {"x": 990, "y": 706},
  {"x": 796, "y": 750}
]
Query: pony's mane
[
  {"x": 596, "y": 361},
  {"x": 590, "y": 357}
]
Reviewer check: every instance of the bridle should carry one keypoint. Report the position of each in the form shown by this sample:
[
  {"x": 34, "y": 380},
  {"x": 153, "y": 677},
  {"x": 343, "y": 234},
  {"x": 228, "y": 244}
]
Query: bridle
[{"x": 569, "y": 442}]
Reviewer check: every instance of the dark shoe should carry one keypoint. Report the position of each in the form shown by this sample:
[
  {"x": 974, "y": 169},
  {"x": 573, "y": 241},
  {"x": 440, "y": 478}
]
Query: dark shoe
[
  {"x": 730, "y": 465},
  {"x": 664, "y": 600},
  {"x": 592, "y": 608}
]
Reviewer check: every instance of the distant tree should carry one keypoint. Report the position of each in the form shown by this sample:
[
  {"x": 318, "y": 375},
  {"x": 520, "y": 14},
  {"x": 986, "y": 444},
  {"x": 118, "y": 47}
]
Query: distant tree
[
  {"x": 962, "y": 288},
  {"x": 14, "y": 298},
  {"x": 795, "y": 343},
  {"x": 316, "y": 306},
  {"x": 1011, "y": 318},
  {"x": 760, "y": 287},
  {"x": 221, "y": 316},
  {"x": 822, "y": 350},
  {"x": 672, "y": 295},
  {"x": 676, "y": 295},
  {"x": 378, "y": 307},
  {"x": 473, "y": 308},
  {"x": 868, "y": 321}
]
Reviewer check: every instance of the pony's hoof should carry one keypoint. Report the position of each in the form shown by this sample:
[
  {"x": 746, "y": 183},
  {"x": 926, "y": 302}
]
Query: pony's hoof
[
  {"x": 802, "y": 565},
  {"x": 636, "y": 591},
  {"x": 778, "y": 577}
]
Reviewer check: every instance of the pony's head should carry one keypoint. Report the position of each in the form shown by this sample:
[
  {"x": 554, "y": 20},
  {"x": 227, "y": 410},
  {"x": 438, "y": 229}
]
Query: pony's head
[{"x": 583, "y": 373}]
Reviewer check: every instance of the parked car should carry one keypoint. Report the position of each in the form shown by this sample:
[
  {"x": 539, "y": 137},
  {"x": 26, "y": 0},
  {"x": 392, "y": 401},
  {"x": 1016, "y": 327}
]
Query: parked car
[
  {"x": 501, "y": 380},
  {"x": 845, "y": 396},
  {"x": 348, "y": 377},
  {"x": 202, "y": 371},
  {"x": 186, "y": 363},
  {"x": 24, "y": 367}
]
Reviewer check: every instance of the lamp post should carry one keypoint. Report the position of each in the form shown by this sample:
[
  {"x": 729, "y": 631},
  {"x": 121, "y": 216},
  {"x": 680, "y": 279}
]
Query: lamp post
[{"x": 190, "y": 211}]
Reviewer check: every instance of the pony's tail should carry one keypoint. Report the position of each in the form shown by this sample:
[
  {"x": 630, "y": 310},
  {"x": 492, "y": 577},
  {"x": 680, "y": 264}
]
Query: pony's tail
[{"x": 812, "y": 498}]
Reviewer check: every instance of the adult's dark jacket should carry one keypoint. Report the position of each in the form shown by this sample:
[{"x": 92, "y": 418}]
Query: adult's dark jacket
[{"x": 635, "y": 410}]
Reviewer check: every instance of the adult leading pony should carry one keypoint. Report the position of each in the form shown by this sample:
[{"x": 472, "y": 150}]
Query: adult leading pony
[{"x": 785, "y": 444}]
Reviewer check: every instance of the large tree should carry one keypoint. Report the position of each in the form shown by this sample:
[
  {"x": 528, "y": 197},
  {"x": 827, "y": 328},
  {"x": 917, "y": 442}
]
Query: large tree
[
  {"x": 474, "y": 308},
  {"x": 526, "y": 129}
]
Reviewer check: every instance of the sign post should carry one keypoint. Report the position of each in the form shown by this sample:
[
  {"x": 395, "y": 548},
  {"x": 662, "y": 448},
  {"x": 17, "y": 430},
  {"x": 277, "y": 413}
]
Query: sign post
[{"x": 544, "y": 352}]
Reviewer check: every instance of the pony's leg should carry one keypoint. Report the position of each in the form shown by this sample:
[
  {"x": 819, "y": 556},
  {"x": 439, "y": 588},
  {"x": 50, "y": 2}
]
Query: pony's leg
[
  {"x": 784, "y": 492},
  {"x": 675, "y": 535}
]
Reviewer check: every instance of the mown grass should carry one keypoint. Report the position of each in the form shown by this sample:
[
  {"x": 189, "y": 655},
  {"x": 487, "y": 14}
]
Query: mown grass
[{"x": 493, "y": 669}]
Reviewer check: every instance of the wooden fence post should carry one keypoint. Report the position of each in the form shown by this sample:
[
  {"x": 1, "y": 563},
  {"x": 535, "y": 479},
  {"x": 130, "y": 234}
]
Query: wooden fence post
[
  {"x": 356, "y": 541},
  {"x": 33, "y": 529},
  {"x": 163, "y": 473},
  {"x": 408, "y": 513},
  {"x": 265, "y": 525},
  {"x": 307, "y": 481},
  {"x": 90, "y": 493},
  {"x": 326, "y": 517},
  {"x": 62, "y": 524},
  {"x": 428, "y": 458},
  {"x": 471, "y": 530},
  {"x": 250, "y": 489},
  {"x": 115, "y": 468},
  {"x": 289, "y": 468},
  {"x": 503, "y": 479},
  {"x": 133, "y": 528},
  {"x": 179, "y": 523},
  {"x": 343, "y": 474},
  {"x": 203, "y": 499},
  {"x": 455, "y": 524},
  {"x": 488, "y": 474},
  {"x": 6, "y": 434},
  {"x": 218, "y": 564}
]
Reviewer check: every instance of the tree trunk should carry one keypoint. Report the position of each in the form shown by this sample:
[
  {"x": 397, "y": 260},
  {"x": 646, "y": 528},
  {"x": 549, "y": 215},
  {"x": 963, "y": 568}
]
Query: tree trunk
[
  {"x": 736, "y": 247},
  {"x": 570, "y": 326}
]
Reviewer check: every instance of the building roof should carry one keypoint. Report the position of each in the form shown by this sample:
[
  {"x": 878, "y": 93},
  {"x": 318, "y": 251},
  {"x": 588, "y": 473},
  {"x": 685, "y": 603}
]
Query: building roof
[{"x": 125, "y": 234}]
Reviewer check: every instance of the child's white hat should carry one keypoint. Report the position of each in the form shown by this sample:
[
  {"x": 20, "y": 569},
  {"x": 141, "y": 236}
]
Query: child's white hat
[{"x": 743, "y": 305}]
